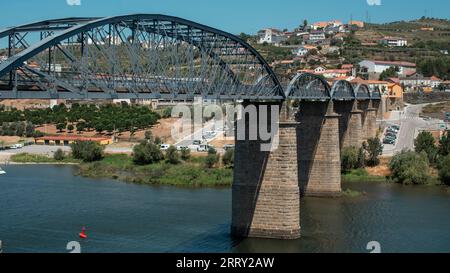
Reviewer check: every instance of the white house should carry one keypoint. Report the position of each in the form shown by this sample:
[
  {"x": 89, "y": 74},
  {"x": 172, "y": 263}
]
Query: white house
[
  {"x": 271, "y": 36},
  {"x": 377, "y": 67},
  {"x": 315, "y": 36},
  {"x": 394, "y": 41},
  {"x": 418, "y": 80}
]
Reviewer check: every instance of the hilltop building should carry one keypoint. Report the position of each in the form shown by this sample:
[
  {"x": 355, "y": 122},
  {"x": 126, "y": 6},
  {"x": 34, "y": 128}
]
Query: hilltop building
[
  {"x": 393, "y": 41},
  {"x": 374, "y": 68},
  {"x": 271, "y": 36}
]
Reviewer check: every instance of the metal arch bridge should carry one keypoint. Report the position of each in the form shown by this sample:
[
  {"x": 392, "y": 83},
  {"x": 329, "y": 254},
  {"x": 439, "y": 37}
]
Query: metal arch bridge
[
  {"x": 146, "y": 56},
  {"x": 311, "y": 87}
]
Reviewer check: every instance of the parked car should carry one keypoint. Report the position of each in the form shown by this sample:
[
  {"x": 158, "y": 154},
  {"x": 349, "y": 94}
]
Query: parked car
[
  {"x": 164, "y": 147},
  {"x": 197, "y": 142},
  {"x": 390, "y": 138},
  {"x": 204, "y": 148},
  {"x": 16, "y": 146},
  {"x": 182, "y": 147},
  {"x": 228, "y": 147},
  {"x": 391, "y": 134},
  {"x": 389, "y": 141}
]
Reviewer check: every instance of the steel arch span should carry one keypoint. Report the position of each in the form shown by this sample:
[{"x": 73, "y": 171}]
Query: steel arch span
[
  {"x": 142, "y": 56},
  {"x": 311, "y": 87},
  {"x": 306, "y": 86}
]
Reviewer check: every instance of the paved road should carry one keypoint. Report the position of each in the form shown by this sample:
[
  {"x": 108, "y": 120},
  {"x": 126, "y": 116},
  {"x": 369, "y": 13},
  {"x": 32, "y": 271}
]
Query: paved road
[{"x": 410, "y": 124}]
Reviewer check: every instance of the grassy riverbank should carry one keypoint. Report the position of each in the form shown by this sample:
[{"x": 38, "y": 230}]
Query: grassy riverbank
[
  {"x": 25, "y": 158},
  {"x": 191, "y": 173},
  {"x": 362, "y": 175}
]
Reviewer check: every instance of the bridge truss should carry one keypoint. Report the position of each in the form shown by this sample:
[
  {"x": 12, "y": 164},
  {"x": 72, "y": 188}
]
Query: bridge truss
[{"x": 146, "y": 56}]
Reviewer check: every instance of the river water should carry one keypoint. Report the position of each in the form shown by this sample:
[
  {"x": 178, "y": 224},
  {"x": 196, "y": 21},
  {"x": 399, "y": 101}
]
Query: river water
[{"x": 42, "y": 208}]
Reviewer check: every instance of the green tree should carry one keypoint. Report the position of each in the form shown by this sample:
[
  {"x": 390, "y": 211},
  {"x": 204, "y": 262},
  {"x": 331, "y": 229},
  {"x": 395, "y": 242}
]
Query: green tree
[
  {"x": 146, "y": 153},
  {"x": 70, "y": 127},
  {"x": 212, "y": 158},
  {"x": 444, "y": 170},
  {"x": 81, "y": 126},
  {"x": 425, "y": 142},
  {"x": 374, "y": 149},
  {"x": 87, "y": 151},
  {"x": 185, "y": 154},
  {"x": 391, "y": 72},
  {"x": 59, "y": 155},
  {"x": 172, "y": 155},
  {"x": 444, "y": 145},
  {"x": 158, "y": 141},
  {"x": 410, "y": 168},
  {"x": 148, "y": 136},
  {"x": 228, "y": 158},
  {"x": 349, "y": 159},
  {"x": 60, "y": 127}
]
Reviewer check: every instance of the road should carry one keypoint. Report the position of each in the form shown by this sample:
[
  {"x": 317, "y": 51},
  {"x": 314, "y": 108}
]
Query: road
[{"x": 410, "y": 123}]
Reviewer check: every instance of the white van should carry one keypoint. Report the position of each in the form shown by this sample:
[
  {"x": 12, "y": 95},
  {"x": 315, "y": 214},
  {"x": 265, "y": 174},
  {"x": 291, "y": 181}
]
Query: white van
[{"x": 17, "y": 146}]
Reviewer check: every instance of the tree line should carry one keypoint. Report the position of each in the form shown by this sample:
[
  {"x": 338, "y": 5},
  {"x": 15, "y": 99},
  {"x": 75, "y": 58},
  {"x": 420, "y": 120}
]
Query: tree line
[{"x": 104, "y": 118}]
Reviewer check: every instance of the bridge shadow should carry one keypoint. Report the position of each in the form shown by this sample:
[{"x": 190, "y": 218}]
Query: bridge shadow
[
  {"x": 249, "y": 173},
  {"x": 344, "y": 109}
]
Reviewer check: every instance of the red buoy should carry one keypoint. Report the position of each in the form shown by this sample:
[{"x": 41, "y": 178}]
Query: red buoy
[{"x": 83, "y": 233}]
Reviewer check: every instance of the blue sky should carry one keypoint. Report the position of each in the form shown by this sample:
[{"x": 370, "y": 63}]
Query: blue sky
[{"x": 234, "y": 16}]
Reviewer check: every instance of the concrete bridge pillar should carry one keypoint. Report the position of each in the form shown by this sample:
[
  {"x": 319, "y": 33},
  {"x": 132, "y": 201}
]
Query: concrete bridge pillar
[
  {"x": 265, "y": 193},
  {"x": 319, "y": 156}
]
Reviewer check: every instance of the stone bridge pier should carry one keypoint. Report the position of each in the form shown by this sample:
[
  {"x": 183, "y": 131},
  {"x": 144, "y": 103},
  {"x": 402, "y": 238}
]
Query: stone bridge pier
[
  {"x": 350, "y": 123},
  {"x": 319, "y": 160},
  {"x": 369, "y": 119},
  {"x": 265, "y": 192}
]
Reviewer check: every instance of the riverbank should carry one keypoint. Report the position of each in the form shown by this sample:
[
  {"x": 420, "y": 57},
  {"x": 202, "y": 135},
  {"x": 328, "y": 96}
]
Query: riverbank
[
  {"x": 25, "y": 158},
  {"x": 190, "y": 173},
  {"x": 363, "y": 175}
]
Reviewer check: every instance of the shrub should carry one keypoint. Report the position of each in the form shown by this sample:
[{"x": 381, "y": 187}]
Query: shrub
[
  {"x": 87, "y": 151},
  {"x": 212, "y": 158},
  {"x": 149, "y": 136},
  {"x": 410, "y": 168},
  {"x": 172, "y": 155},
  {"x": 352, "y": 159},
  {"x": 425, "y": 143},
  {"x": 59, "y": 155},
  {"x": 146, "y": 153},
  {"x": 349, "y": 159},
  {"x": 444, "y": 170},
  {"x": 70, "y": 127},
  {"x": 374, "y": 149},
  {"x": 228, "y": 157},
  {"x": 185, "y": 154},
  {"x": 444, "y": 145}
]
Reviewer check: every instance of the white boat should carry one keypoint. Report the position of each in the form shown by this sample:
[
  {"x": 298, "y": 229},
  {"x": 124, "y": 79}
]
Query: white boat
[{"x": 2, "y": 171}]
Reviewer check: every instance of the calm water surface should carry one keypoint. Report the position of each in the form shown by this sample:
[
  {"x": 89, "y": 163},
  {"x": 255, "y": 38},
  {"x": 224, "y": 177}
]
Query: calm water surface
[{"x": 42, "y": 208}]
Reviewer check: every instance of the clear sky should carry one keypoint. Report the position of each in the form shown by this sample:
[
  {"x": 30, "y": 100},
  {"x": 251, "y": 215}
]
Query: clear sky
[{"x": 234, "y": 16}]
